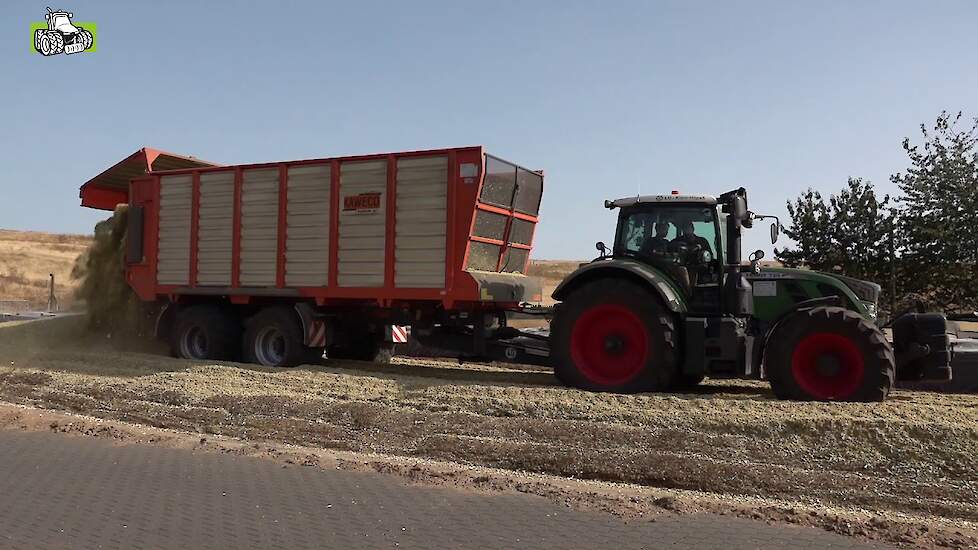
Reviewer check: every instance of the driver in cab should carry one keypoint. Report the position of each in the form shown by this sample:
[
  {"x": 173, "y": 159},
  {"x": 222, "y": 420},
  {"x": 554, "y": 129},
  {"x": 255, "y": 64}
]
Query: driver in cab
[
  {"x": 689, "y": 239},
  {"x": 658, "y": 244}
]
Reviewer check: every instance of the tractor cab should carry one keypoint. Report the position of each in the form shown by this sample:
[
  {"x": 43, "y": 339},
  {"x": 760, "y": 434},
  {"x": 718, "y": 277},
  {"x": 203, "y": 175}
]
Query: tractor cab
[
  {"x": 61, "y": 21},
  {"x": 695, "y": 240},
  {"x": 682, "y": 236}
]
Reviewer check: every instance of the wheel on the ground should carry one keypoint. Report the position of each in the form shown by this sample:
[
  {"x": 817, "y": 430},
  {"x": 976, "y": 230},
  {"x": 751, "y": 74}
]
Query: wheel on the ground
[
  {"x": 204, "y": 333},
  {"x": 829, "y": 354},
  {"x": 613, "y": 335},
  {"x": 359, "y": 344},
  {"x": 37, "y": 39},
  {"x": 273, "y": 338}
]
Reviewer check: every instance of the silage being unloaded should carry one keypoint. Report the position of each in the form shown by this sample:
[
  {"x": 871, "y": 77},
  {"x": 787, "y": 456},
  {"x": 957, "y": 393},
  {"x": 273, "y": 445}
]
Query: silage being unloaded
[{"x": 110, "y": 304}]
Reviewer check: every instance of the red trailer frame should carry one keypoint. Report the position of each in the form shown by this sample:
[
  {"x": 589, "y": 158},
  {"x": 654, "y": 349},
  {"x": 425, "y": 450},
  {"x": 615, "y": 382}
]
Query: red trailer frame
[{"x": 464, "y": 288}]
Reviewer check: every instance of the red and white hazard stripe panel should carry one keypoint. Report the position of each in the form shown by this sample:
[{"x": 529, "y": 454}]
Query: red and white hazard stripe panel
[
  {"x": 317, "y": 334},
  {"x": 399, "y": 335}
]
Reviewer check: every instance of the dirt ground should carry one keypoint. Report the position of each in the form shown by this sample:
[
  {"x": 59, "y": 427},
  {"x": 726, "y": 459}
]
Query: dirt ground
[{"x": 901, "y": 471}]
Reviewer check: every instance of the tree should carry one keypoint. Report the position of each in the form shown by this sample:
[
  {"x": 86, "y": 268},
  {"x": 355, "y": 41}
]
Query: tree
[
  {"x": 810, "y": 223},
  {"x": 938, "y": 236},
  {"x": 849, "y": 234}
]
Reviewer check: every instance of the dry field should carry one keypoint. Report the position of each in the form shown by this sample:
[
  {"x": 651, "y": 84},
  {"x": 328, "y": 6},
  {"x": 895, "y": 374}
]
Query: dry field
[
  {"x": 906, "y": 467},
  {"x": 26, "y": 259}
]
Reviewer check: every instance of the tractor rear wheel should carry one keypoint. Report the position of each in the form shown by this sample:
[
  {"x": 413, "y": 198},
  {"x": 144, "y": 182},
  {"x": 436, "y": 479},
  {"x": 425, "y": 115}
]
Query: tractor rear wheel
[
  {"x": 829, "y": 354},
  {"x": 613, "y": 335}
]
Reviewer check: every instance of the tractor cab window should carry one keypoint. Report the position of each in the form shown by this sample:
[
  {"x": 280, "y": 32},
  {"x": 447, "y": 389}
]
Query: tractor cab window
[
  {"x": 682, "y": 240},
  {"x": 650, "y": 228}
]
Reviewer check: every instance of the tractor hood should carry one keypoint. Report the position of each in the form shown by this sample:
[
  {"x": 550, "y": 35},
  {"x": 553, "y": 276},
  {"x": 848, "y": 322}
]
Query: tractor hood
[{"x": 865, "y": 291}]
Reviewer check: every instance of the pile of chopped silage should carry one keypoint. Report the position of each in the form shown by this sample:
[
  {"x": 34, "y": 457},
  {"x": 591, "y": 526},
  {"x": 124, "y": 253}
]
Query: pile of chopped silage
[{"x": 111, "y": 305}]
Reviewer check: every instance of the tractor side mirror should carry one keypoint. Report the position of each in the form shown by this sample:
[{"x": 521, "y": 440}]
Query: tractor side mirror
[
  {"x": 775, "y": 231},
  {"x": 601, "y": 248}
]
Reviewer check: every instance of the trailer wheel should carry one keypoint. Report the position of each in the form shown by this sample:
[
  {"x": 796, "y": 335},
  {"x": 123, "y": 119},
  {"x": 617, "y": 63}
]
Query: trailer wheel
[
  {"x": 273, "y": 338},
  {"x": 204, "y": 333},
  {"x": 613, "y": 335},
  {"x": 829, "y": 354}
]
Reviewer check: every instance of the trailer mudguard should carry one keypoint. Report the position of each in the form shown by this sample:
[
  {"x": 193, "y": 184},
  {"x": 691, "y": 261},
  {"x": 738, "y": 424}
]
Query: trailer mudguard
[
  {"x": 506, "y": 287},
  {"x": 643, "y": 273}
]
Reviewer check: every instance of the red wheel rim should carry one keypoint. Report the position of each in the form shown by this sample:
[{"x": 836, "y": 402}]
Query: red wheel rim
[
  {"x": 828, "y": 365},
  {"x": 609, "y": 344}
]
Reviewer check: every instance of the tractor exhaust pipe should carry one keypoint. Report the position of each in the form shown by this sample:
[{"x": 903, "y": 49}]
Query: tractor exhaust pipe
[{"x": 738, "y": 294}]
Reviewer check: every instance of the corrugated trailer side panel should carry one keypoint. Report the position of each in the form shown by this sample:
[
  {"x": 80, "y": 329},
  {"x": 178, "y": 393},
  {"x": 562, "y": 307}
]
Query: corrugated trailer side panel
[
  {"x": 363, "y": 223},
  {"x": 259, "y": 227},
  {"x": 388, "y": 228},
  {"x": 421, "y": 222},
  {"x": 173, "y": 253},
  {"x": 308, "y": 228},
  {"x": 215, "y": 229}
]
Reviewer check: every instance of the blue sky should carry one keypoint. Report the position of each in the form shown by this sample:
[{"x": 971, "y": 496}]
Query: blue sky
[{"x": 608, "y": 98}]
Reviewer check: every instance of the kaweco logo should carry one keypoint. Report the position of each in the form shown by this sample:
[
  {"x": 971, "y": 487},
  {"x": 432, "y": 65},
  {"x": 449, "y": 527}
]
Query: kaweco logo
[
  {"x": 58, "y": 34},
  {"x": 364, "y": 203}
]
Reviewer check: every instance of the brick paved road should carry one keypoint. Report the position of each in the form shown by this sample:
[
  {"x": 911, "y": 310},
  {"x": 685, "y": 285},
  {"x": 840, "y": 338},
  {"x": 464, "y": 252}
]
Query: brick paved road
[{"x": 58, "y": 491}]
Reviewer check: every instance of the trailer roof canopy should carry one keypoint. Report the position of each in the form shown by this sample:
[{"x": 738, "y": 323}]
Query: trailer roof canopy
[{"x": 111, "y": 187}]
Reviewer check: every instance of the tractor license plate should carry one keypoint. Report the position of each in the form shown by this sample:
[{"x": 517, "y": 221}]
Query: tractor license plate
[{"x": 74, "y": 48}]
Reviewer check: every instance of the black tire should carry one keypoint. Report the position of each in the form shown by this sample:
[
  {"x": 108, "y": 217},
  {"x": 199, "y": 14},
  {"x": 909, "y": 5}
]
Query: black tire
[
  {"x": 829, "y": 354},
  {"x": 205, "y": 333},
  {"x": 613, "y": 335},
  {"x": 273, "y": 338}
]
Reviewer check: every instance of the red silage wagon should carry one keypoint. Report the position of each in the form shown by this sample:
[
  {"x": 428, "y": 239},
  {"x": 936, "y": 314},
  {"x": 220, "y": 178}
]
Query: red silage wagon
[{"x": 278, "y": 262}]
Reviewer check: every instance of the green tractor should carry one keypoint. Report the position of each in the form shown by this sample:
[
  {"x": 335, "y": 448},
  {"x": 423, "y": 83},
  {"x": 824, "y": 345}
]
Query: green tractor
[{"x": 672, "y": 302}]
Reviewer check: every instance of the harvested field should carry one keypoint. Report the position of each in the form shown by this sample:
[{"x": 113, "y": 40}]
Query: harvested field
[
  {"x": 912, "y": 459},
  {"x": 26, "y": 259}
]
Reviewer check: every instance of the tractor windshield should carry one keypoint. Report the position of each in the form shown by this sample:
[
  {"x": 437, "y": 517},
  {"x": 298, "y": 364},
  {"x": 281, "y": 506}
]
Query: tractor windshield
[
  {"x": 61, "y": 22},
  {"x": 653, "y": 227}
]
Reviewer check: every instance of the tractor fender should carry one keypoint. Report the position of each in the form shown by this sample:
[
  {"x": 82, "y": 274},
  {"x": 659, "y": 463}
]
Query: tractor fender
[{"x": 644, "y": 274}]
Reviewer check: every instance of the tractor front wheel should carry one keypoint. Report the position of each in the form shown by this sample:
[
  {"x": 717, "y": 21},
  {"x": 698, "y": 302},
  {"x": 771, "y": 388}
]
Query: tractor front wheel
[
  {"x": 86, "y": 38},
  {"x": 613, "y": 335},
  {"x": 829, "y": 354}
]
